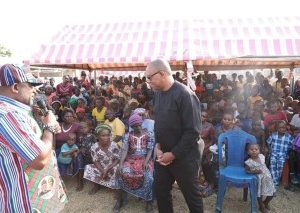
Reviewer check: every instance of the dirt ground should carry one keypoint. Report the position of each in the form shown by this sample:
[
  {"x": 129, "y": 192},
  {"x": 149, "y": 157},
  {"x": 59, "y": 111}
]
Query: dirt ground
[{"x": 103, "y": 201}]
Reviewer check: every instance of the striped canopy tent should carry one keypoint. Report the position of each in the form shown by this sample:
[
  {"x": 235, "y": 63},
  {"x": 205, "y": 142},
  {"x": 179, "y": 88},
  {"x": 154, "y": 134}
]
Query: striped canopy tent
[
  {"x": 207, "y": 44},
  {"x": 247, "y": 43}
]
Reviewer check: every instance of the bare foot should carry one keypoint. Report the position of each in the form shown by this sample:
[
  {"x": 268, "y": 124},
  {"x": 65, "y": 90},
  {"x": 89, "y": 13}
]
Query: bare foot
[
  {"x": 94, "y": 190},
  {"x": 263, "y": 209},
  {"x": 79, "y": 187},
  {"x": 267, "y": 205},
  {"x": 117, "y": 206},
  {"x": 149, "y": 207}
]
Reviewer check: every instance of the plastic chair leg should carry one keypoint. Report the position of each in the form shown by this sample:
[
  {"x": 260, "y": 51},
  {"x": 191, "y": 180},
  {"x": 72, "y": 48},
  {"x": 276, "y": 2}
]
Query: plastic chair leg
[
  {"x": 245, "y": 194},
  {"x": 221, "y": 194},
  {"x": 253, "y": 195}
]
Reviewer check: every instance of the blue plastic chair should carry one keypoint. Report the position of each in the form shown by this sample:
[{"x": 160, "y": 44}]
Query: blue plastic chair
[{"x": 233, "y": 172}]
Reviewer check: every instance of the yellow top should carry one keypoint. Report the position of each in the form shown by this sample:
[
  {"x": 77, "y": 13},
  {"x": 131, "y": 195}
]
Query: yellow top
[
  {"x": 99, "y": 116},
  {"x": 118, "y": 128},
  {"x": 252, "y": 100}
]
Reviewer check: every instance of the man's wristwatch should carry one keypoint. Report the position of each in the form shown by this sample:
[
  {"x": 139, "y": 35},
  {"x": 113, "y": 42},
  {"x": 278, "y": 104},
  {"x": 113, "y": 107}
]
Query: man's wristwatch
[{"x": 49, "y": 128}]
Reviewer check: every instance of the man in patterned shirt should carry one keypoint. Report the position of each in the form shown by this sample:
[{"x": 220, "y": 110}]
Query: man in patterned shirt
[{"x": 18, "y": 141}]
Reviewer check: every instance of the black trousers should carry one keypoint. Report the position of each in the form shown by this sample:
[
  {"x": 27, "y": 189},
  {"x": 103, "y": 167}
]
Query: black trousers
[{"x": 185, "y": 172}]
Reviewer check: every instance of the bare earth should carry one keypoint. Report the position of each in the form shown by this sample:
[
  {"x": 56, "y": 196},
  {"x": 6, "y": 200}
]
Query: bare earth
[{"x": 103, "y": 201}]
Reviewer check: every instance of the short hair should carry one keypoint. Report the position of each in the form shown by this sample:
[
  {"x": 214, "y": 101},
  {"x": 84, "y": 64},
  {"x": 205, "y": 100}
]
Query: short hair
[
  {"x": 101, "y": 98},
  {"x": 280, "y": 122},
  {"x": 161, "y": 65},
  {"x": 228, "y": 112},
  {"x": 83, "y": 73},
  {"x": 87, "y": 122},
  {"x": 67, "y": 110},
  {"x": 251, "y": 144}
]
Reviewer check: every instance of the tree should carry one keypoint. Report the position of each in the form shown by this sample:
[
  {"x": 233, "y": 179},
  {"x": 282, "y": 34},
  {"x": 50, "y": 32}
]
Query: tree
[{"x": 4, "y": 52}]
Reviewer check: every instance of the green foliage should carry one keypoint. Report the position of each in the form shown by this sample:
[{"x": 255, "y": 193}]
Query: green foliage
[{"x": 4, "y": 52}]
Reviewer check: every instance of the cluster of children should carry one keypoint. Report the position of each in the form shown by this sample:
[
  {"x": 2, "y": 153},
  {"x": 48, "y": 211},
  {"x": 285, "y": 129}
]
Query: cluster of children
[
  {"x": 272, "y": 119},
  {"x": 107, "y": 130}
]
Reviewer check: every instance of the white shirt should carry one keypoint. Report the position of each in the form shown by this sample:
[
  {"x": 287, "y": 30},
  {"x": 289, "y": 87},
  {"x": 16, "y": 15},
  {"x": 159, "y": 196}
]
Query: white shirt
[{"x": 295, "y": 120}]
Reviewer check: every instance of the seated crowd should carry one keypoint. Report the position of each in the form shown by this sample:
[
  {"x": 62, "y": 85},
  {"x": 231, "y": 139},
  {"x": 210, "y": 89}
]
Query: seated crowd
[{"x": 108, "y": 130}]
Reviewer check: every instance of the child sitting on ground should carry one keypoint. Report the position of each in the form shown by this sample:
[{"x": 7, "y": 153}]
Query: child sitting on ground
[
  {"x": 265, "y": 186},
  {"x": 68, "y": 151}
]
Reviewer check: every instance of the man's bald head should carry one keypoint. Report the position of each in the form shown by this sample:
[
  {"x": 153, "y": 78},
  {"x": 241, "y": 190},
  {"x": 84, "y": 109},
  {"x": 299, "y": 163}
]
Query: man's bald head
[
  {"x": 159, "y": 75},
  {"x": 159, "y": 65}
]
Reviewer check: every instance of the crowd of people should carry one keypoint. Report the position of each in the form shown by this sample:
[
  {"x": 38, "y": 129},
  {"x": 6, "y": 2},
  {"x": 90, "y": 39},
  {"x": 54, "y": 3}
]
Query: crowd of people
[
  {"x": 267, "y": 111},
  {"x": 107, "y": 133},
  {"x": 140, "y": 135}
]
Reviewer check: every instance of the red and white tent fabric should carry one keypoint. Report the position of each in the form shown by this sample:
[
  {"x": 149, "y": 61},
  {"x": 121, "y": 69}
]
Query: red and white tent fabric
[{"x": 207, "y": 43}]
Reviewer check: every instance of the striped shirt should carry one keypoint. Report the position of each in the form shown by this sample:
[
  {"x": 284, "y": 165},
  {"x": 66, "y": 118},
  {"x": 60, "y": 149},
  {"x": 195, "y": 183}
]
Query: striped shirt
[{"x": 18, "y": 142}]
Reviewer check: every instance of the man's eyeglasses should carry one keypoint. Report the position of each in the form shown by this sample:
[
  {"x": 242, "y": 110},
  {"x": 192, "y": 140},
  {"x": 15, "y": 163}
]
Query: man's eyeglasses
[{"x": 150, "y": 76}]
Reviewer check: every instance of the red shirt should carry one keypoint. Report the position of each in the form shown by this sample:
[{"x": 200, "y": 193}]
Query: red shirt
[
  {"x": 64, "y": 89},
  {"x": 276, "y": 117},
  {"x": 63, "y": 136},
  {"x": 85, "y": 83},
  {"x": 200, "y": 88}
]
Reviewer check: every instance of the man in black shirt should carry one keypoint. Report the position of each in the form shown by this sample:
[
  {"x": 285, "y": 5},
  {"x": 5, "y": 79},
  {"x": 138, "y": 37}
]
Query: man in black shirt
[{"x": 177, "y": 129}]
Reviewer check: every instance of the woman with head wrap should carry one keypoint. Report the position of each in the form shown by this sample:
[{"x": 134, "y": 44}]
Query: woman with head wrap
[
  {"x": 136, "y": 165},
  {"x": 148, "y": 123},
  {"x": 106, "y": 156}
]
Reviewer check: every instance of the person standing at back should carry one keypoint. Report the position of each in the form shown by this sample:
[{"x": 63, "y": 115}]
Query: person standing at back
[{"x": 177, "y": 130}]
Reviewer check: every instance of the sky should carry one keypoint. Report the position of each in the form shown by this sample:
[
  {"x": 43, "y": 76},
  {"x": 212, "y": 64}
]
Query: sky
[{"x": 24, "y": 25}]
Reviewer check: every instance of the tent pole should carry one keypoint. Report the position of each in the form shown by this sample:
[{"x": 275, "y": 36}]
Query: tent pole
[
  {"x": 189, "y": 73},
  {"x": 291, "y": 78}
]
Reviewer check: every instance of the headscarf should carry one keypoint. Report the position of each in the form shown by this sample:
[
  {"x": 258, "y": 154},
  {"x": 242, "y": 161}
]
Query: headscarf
[
  {"x": 135, "y": 119},
  {"x": 53, "y": 102},
  {"x": 139, "y": 111},
  {"x": 73, "y": 101},
  {"x": 79, "y": 109},
  {"x": 99, "y": 128}
]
